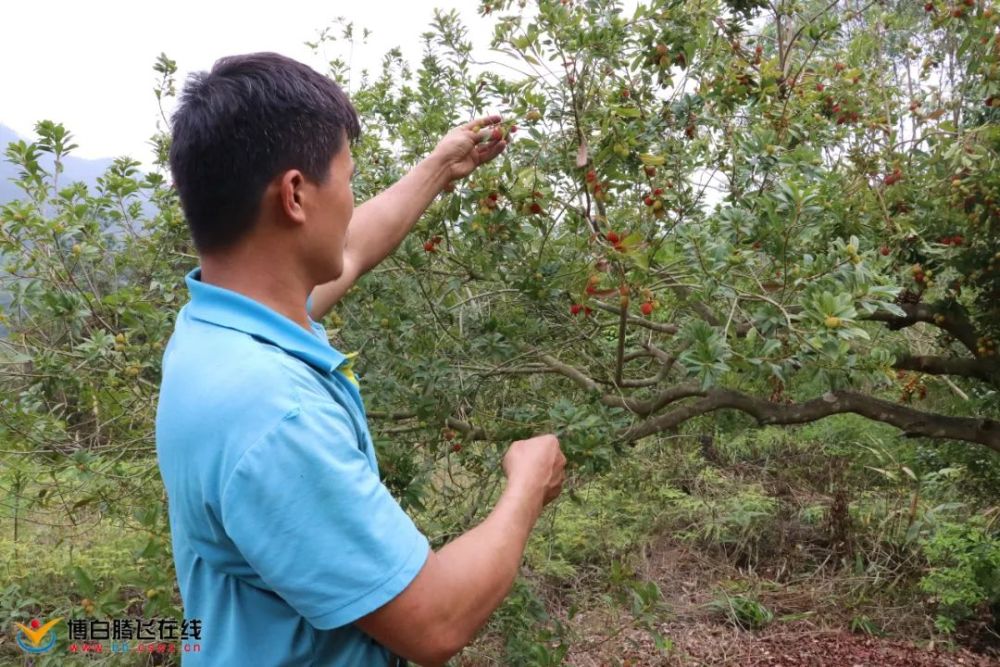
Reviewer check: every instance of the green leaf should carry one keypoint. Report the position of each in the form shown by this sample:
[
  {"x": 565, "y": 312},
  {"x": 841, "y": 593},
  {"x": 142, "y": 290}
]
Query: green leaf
[{"x": 84, "y": 582}]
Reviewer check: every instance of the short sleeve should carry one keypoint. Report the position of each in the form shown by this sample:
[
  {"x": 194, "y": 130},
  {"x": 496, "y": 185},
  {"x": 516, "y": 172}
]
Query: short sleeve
[{"x": 312, "y": 518}]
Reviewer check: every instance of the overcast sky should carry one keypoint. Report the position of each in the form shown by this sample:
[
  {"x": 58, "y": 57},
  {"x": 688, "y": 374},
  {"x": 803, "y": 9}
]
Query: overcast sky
[{"x": 89, "y": 64}]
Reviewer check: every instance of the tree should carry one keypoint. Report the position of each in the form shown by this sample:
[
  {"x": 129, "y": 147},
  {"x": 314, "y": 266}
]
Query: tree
[{"x": 789, "y": 211}]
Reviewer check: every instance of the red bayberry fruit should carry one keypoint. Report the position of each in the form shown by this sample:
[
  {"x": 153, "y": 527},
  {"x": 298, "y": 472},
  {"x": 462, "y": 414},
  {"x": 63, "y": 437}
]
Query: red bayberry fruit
[
  {"x": 429, "y": 247},
  {"x": 497, "y": 134},
  {"x": 657, "y": 192},
  {"x": 820, "y": 87},
  {"x": 591, "y": 176},
  {"x": 493, "y": 196},
  {"x": 536, "y": 208},
  {"x": 575, "y": 309},
  {"x": 929, "y": 7},
  {"x": 613, "y": 238},
  {"x": 650, "y": 170},
  {"x": 839, "y": 67},
  {"x": 884, "y": 250},
  {"x": 649, "y": 201},
  {"x": 646, "y": 308},
  {"x": 456, "y": 448},
  {"x": 587, "y": 311},
  {"x": 513, "y": 129}
]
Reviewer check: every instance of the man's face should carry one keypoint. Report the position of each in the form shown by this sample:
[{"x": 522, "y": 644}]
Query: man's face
[{"x": 333, "y": 211}]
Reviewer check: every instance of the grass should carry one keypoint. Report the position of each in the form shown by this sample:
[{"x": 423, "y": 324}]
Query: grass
[{"x": 664, "y": 538}]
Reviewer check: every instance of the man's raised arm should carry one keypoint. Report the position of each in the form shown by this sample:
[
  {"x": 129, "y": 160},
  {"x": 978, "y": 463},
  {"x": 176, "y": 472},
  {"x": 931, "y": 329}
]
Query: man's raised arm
[{"x": 380, "y": 224}]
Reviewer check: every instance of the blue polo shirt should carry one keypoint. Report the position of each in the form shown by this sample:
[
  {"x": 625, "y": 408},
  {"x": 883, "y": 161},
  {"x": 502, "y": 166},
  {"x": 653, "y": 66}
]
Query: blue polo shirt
[{"x": 282, "y": 531}]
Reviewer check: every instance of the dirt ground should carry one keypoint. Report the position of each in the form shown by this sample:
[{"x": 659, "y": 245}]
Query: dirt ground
[
  {"x": 787, "y": 645},
  {"x": 604, "y": 637}
]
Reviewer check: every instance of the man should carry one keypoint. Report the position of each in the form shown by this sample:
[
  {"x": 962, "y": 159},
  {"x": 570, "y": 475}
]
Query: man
[{"x": 288, "y": 548}]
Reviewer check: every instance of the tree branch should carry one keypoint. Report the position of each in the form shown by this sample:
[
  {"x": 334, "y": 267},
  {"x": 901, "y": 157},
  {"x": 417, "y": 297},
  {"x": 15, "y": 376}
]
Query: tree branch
[
  {"x": 590, "y": 384},
  {"x": 620, "y": 363},
  {"x": 468, "y": 430},
  {"x": 465, "y": 428},
  {"x": 642, "y": 322},
  {"x": 913, "y": 423},
  {"x": 937, "y": 314},
  {"x": 971, "y": 368},
  {"x": 395, "y": 416}
]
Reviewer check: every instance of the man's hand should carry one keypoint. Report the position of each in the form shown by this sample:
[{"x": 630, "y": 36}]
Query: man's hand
[
  {"x": 467, "y": 146},
  {"x": 537, "y": 465}
]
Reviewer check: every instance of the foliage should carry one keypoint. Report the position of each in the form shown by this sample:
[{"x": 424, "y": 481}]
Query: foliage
[
  {"x": 964, "y": 571},
  {"x": 743, "y": 611}
]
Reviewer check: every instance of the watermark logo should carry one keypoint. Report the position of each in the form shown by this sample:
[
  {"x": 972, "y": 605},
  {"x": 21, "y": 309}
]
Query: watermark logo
[{"x": 36, "y": 637}]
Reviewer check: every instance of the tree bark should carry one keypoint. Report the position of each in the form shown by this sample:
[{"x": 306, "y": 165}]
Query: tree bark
[{"x": 913, "y": 423}]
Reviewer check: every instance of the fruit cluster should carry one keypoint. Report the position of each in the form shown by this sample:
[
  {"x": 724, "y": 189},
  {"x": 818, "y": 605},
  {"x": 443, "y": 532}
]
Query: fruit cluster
[
  {"x": 663, "y": 56},
  {"x": 432, "y": 244},
  {"x": 449, "y": 436},
  {"x": 654, "y": 200},
  {"x": 986, "y": 347},
  {"x": 914, "y": 385},
  {"x": 895, "y": 177},
  {"x": 533, "y": 207},
  {"x": 488, "y": 203},
  {"x": 920, "y": 275},
  {"x": 595, "y": 187}
]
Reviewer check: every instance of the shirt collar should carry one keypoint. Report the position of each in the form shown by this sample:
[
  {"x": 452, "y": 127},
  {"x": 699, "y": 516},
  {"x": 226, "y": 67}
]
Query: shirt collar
[{"x": 226, "y": 308}]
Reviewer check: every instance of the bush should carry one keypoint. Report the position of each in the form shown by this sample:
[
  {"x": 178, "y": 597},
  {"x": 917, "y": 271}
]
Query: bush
[{"x": 964, "y": 576}]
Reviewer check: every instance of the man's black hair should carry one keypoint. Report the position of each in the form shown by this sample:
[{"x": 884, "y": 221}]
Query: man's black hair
[{"x": 251, "y": 118}]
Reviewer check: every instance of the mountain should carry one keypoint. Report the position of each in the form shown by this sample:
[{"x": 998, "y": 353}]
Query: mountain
[{"x": 74, "y": 168}]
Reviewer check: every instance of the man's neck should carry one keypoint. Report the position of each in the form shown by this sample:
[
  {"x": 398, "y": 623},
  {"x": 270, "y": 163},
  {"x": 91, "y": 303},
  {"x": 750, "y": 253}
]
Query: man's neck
[{"x": 268, "y": 281}]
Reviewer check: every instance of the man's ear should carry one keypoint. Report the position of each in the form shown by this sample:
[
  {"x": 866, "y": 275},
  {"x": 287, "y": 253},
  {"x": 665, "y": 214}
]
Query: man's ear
[{"x": 291, "y": 189}]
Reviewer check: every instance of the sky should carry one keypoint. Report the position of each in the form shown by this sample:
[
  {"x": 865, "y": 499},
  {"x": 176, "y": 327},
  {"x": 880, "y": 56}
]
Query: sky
[{"x": 89, "y": 65}]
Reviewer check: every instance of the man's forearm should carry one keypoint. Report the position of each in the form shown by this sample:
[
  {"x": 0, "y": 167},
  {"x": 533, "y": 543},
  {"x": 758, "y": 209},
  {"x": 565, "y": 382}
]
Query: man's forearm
[
  {"x": 483, "y": 563},
  {"x": 380, "y": 225}
]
